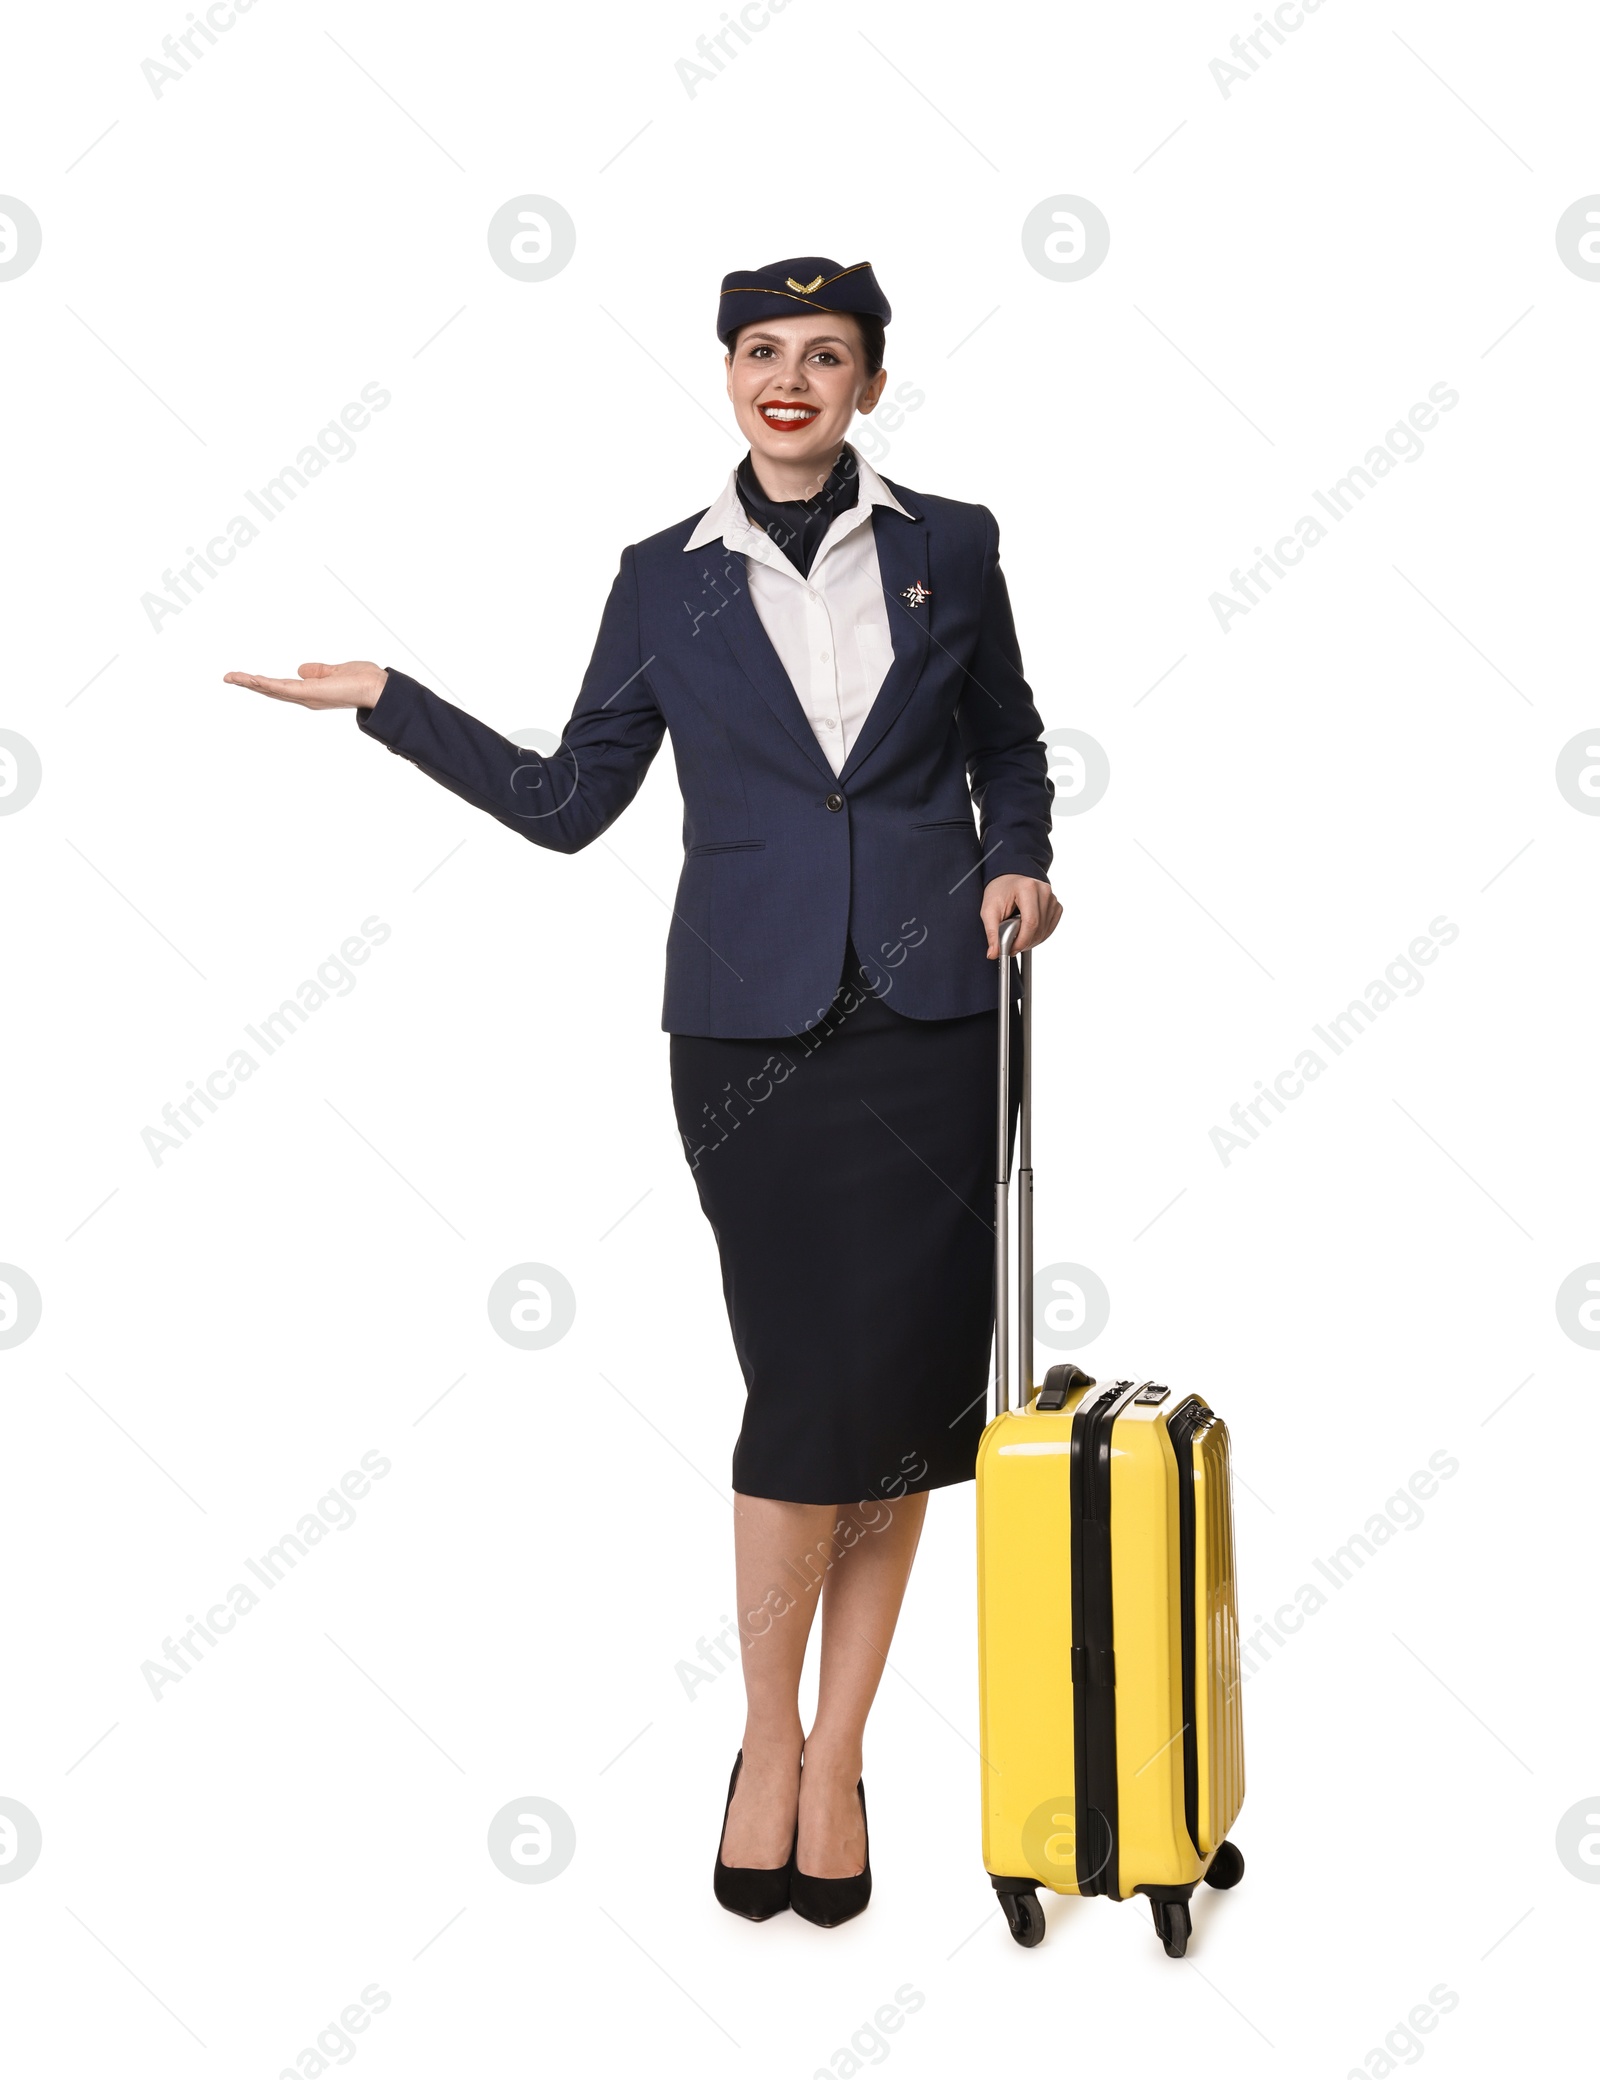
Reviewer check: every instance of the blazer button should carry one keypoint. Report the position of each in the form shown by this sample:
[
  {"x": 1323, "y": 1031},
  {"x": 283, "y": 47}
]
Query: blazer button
[{"x": 835, "y": 801}]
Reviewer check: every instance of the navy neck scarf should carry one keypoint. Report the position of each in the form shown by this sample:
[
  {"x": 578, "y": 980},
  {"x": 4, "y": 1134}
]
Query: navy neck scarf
[{"x": 798, "y": 525}]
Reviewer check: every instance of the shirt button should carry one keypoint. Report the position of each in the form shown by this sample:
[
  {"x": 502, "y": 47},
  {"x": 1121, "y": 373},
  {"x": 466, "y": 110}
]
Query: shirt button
[
  {"x": 835, "y": 801},
  {"x": 822, "y": 657}
]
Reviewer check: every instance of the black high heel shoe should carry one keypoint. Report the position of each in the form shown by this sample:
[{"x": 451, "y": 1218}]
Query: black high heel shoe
[
  {"x": 743, "y": 1888},
  {"x": 828, "y": 1901}
]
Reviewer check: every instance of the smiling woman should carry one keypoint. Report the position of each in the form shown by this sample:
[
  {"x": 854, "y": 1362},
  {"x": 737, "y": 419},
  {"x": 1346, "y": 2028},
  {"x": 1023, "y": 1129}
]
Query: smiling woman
[{"x": 834, "y": 658}]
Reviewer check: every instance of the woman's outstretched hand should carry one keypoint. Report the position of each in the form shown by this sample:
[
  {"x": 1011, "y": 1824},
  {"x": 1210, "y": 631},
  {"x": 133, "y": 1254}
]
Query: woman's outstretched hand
[
  {"x": 1036, "y": 902},
  {"x": 353, "y": 685}
]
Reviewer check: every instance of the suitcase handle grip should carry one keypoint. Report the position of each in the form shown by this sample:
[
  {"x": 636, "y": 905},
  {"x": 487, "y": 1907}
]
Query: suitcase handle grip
[{"x": 1009, "y": 929}]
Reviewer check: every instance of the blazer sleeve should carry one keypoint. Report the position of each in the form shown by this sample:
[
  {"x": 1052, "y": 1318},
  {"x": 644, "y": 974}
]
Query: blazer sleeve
[
  {"x": 565, "y": 799},
  {"x": 1000, "y": 731}
]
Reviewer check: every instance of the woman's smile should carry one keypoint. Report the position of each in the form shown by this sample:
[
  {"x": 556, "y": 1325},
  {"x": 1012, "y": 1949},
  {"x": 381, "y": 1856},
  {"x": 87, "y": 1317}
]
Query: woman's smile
[{"x": 785, "y": 417}]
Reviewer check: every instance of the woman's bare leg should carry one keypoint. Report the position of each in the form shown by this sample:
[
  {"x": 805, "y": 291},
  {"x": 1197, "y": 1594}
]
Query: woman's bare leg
[
  {"x": 861, "y": 1601},
  {"x": 780, "y": 1559}
]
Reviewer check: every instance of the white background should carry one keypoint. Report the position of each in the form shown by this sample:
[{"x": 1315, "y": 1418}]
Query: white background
[{"x": 1292, "y": 266}]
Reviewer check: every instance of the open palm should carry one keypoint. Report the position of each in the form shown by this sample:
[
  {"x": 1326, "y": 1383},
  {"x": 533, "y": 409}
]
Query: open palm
[{"x": 353, "y": 685}]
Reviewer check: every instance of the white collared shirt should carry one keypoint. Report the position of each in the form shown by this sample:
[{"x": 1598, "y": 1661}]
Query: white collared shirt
[{"x": 831, "y": 629}]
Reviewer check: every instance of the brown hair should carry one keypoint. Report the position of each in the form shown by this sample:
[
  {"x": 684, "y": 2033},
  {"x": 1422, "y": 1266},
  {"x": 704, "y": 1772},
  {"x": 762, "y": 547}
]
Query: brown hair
[{"x": 871, "y": 341}]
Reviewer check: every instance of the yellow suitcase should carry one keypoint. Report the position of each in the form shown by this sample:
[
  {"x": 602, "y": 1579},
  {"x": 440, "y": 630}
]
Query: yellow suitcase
[{"x": 1108, "y": 1638}]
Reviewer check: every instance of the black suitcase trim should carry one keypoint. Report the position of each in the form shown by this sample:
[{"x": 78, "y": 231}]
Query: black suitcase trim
[
  {"x": 1094, "y": 1667},
  {"x": 1183, "y": 1426}
]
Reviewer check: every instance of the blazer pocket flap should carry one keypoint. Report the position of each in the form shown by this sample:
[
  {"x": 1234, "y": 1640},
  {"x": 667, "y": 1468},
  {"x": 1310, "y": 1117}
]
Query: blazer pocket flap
[{"x": 728, "y": 845}]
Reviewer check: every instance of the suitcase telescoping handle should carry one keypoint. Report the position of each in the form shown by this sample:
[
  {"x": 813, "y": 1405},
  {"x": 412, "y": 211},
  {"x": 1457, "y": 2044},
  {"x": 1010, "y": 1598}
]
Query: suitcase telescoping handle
[{"x": 1002, "y": 1185}]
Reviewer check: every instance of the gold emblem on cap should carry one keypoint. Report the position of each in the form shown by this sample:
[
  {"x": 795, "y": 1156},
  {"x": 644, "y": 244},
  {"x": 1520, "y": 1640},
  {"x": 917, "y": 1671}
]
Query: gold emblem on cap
[{"x": 802, "y": 288}]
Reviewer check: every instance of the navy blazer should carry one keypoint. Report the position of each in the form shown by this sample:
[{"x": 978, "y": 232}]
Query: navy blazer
[{"x": 781, "y": 857}]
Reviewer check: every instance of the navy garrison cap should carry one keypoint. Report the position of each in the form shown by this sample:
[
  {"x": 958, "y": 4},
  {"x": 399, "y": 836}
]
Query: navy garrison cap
[{"x": 785, "y": 287}]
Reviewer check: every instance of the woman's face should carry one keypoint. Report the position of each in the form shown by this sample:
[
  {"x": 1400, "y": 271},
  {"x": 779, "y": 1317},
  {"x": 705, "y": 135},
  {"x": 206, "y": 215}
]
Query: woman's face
[{"x": 796, "y": 383}]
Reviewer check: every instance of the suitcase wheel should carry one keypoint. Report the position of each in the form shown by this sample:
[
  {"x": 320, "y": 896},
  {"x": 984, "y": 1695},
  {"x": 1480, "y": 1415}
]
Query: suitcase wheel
[
  {"x": 1024, "y": 1917},
  {"x": 1226, "y": 1868},
  {"x": 1172, "y": 1924}
]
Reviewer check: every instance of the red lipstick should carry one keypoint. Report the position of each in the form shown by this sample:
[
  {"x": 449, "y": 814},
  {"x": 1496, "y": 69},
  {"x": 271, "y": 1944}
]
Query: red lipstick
[{"x": 802, "y": 414}]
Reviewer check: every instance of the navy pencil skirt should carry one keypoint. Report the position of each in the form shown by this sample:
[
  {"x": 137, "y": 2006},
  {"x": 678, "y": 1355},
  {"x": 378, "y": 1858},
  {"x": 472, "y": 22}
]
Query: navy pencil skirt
[{"x": 848, "y": 1176}]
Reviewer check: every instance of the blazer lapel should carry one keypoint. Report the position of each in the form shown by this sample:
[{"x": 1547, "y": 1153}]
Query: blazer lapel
[
  {"x": 740, "y": 627},
  {"x": 902, "y": 547}
]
